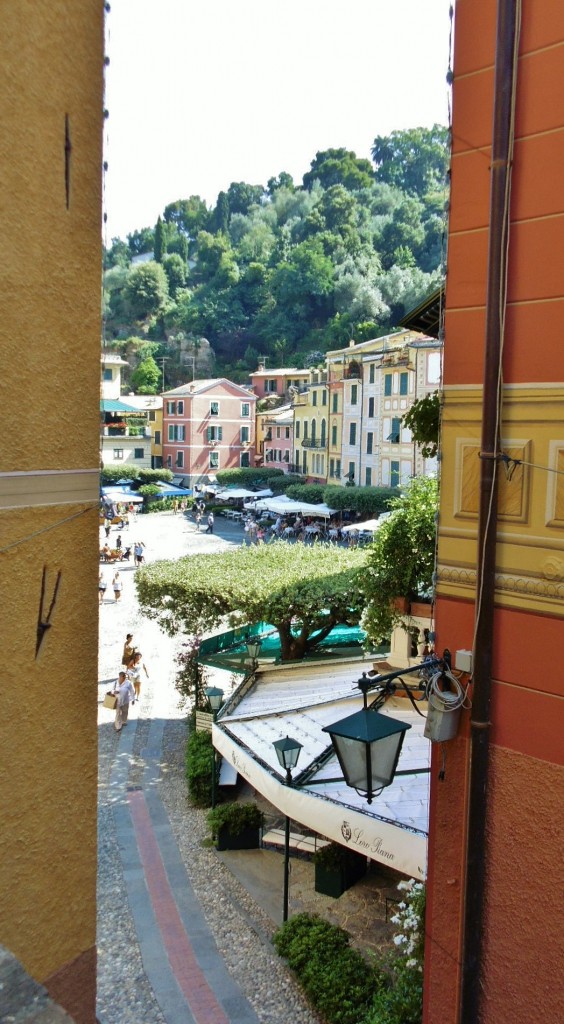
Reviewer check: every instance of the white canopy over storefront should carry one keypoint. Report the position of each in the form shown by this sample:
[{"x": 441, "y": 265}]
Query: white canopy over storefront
[
  {"x": 298, "y": 702},
  {"x": 240, "y": 492},
  {"x": 283, "y": 506}
]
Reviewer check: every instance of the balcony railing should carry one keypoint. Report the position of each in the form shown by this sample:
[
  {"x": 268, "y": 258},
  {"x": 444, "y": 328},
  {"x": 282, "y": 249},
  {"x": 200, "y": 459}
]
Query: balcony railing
[{"x": 310, "y": 442}]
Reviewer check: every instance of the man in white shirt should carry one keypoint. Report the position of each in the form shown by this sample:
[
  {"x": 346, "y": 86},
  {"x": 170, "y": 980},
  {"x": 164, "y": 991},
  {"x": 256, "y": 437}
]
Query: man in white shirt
[{"x": 125, "y": 692}]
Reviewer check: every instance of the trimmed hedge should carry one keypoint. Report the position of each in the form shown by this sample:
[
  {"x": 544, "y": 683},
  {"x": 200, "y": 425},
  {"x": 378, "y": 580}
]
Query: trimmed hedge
[
  {"x": 369, "y": 502},
  {"x": 279, "y": 484},
  {"x": 199, "y": 767},
  {"x": 246, "y": 477},
  {"x": 336, "y": 978},
  {"x": 312, "y": 493}
]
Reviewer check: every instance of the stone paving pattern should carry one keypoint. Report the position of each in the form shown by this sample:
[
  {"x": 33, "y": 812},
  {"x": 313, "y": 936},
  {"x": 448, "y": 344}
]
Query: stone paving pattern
[{"x": 180, "y": 939}]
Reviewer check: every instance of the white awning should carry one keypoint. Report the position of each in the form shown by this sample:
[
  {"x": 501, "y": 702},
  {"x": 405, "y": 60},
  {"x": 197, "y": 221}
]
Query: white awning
[
  {"x": 393, "y": 829},
  {"x": 286, "y": 506}
]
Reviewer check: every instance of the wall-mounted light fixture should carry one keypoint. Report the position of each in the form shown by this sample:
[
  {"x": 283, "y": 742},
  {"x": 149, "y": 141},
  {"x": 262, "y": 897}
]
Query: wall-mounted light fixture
[{"x": 368, "y": 744}]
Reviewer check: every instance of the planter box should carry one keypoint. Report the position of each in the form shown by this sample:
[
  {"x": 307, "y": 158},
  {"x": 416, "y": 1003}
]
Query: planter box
[
  {"x": 248, "y": 839},
  {"x": 422, "y": 609},
  {"x": 335, "y": 880}
]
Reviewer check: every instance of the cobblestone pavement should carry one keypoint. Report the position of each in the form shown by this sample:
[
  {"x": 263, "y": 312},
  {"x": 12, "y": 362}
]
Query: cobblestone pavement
[{"x": 179, "y": 939}]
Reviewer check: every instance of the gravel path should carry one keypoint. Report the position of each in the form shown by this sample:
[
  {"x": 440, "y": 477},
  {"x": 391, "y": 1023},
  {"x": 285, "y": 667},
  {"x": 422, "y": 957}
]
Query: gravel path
[{"x": 241, "y": 930}]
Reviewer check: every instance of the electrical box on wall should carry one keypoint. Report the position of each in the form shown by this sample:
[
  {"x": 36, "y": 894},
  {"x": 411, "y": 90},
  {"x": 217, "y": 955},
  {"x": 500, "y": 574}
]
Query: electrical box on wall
[
  {"x": 463, "y": 661},
  {"x": 442, "y": 717}
]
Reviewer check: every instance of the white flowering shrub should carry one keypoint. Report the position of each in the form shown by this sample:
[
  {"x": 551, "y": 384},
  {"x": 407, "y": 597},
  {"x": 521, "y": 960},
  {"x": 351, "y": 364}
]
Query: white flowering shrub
[
  {"x": 410, "y": 922},
  {"x": 400, "y": 997}
]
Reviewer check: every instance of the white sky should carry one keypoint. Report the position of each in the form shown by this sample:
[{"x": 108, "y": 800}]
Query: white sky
[{"x": 205, "y": 92}]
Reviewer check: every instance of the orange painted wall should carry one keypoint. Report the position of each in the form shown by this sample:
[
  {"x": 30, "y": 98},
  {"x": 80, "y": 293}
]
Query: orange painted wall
[{"x": 523, "y": 933}]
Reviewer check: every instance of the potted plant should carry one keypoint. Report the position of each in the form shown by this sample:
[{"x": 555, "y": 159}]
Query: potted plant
[
  {"x": 236, "y": 826},
  {"x": 337, "y": 868}
]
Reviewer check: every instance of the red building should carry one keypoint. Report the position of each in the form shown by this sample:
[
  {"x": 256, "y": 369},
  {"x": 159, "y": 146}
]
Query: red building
[{"x": 208, "y": 425}]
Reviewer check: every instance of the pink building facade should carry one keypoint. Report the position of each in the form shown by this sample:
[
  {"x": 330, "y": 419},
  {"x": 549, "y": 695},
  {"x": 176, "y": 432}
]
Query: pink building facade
[
  {"x": 268, "y": 383},
  {"x": 208, "y": 425}
]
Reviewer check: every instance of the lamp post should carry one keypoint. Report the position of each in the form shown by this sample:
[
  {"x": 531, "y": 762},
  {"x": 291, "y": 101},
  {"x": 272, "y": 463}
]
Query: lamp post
[
  {"x": 253, "y": 650},
  {"x": 288, "y": 752},
  {"x": 215, "y": 697}
]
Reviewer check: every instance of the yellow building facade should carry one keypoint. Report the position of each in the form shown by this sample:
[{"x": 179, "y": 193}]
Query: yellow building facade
[{"x": 50, "y": 254}]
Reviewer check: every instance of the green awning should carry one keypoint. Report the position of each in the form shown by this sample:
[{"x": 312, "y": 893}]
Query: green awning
[{"x": 113, "y": 405}]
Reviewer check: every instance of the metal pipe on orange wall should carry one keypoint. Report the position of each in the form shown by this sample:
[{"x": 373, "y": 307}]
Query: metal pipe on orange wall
[{"x": 475, "y": 869}]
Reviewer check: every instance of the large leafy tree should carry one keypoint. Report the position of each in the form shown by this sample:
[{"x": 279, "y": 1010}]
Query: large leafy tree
[
  {"x": 189, "y": 215},
  {"x": 147, "y": 290},
  {"x": 303, "y": 592},
  {"x": 147, "y": 377},
  {"x": 415, "y": 160},
  {"x": 401, "y": 561},
  {"x": 339, "y": 167}
]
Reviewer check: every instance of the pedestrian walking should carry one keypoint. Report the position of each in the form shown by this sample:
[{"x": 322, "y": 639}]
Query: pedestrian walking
[
  {"x": 118, "y": 542},
  {"x": 128, "y": 650},
  {"x": 210, "y": 523},
  {"x": 134, "y": 669},
  {"x": 107, "y": 527},
  {"x": 198, "y": 520},
  {"x": 125, "y": 693},
  {"x": 138, "y": 551},
  {"x": 102, "y": 586},
  {"x": 118, "y": 586},
  {"x": 175, "y": 506}
]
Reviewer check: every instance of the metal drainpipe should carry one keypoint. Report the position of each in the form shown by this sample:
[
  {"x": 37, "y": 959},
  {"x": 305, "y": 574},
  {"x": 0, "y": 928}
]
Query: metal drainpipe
[{"x": 475, "y": 873}]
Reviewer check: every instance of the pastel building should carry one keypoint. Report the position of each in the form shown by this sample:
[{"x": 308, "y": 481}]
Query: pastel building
[
  {"x": 208, "y": 425},
  {"x": 274, "y": 437},
  {"x": 268, "y": 383}
]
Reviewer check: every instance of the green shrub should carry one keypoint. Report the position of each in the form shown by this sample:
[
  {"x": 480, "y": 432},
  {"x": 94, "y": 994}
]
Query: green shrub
[
  {"x": 151, "y": 476},
  {"x": 336, "y": 978},
  {"x": 163, "y": 505},
  {"x": 198, "y": 768},
  {"x": 111, "y": 474},
  {"x": 278, "y": 484},
  {"x": 147, "y": 490},
  {"x": 312, "y": 493},
  {"x": 246, "y": 477},
  {"x": 400, "y": 999},
  {"x": 369, "y": 502},
  {"x": 235, "y": 817}
]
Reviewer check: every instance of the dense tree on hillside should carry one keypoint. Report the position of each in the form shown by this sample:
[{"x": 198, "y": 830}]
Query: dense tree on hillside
[
  {"x": 141, "y": 241},
  {"x": 189, "y": 215},
  {"x": 146, "y": 378},
  {"x": 175, "y": 270},
  {"x": 415, "y": 160},
  {"x": 160, "y": 244},
  {"x": 339, "y": 167},
  {"x": 342, "y": 256},
  {"x": 303, "y": 592},
  {"x": 147, "y": 290}
]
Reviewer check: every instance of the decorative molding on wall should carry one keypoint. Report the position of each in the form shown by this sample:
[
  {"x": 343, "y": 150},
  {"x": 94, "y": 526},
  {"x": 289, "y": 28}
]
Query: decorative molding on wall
[
  {"x": 555, "y": 485},
  {"x": 548, "y": 585},
  {"x": 513, "y": 493},
  {"x": 49, "y": 487}
]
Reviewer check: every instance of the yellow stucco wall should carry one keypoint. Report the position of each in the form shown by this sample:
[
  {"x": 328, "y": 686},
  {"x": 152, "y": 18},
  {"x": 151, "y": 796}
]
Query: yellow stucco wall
[
  {"x": 50, "y": 262},
  {"x": 530, "y": 552}
]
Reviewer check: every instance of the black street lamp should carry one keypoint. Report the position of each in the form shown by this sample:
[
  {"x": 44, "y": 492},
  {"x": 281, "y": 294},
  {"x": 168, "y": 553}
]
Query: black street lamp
[
  {"x": 288, "y": 752},
  {"x": 368, "y": 746},
  {"x": 253, "y": 649},
  {"x": 215, "y": 697}
]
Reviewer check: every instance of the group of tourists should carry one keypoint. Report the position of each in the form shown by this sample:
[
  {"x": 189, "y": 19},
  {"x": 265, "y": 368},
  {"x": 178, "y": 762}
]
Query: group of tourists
[{"x": 128, "y": 684}]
